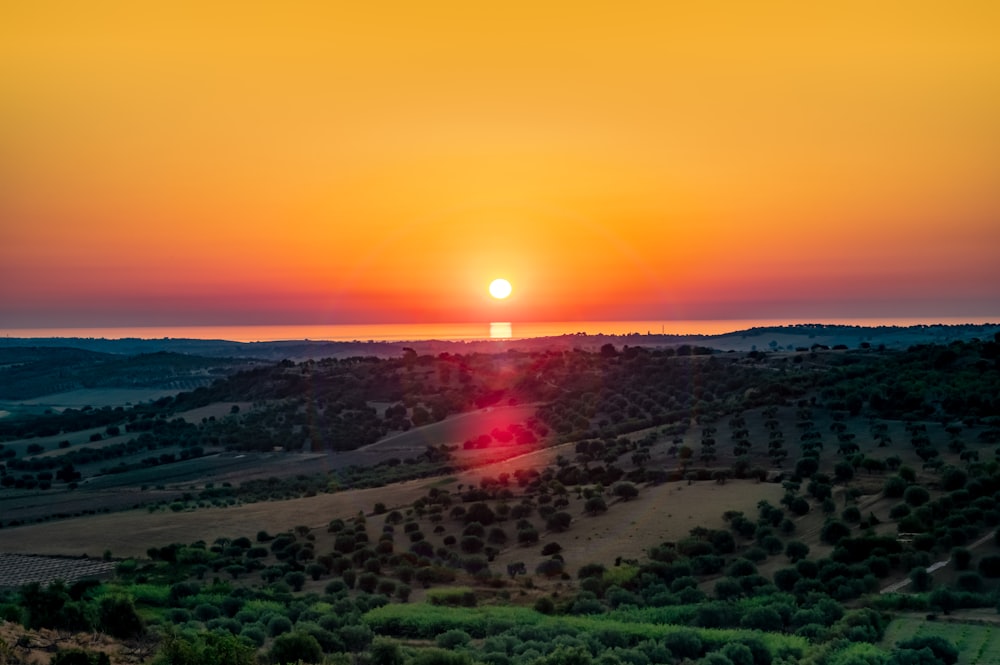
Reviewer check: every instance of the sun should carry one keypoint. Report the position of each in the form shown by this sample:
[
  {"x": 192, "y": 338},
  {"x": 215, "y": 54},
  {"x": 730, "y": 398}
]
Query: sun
[{"x": 500, "y": 288}]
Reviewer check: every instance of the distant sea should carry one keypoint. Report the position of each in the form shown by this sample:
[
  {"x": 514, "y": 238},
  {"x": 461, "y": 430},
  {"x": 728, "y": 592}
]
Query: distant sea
[{"x": 396, "y": 332}]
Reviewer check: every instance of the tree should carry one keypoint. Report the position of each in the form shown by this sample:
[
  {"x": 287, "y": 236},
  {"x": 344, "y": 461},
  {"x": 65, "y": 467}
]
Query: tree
[
  {"x": 843, "y": 471},
  {"x": 920, "y": 578},
  {"x": 762, "y": 618},
  {"x": 796, "y": 550},
  {"x": 385, "y": 651},
  {"x": 295, "y": 647},
  {"x": 834, "y": 531},
  {"x": 551, "y": 567},
  {"x": 527, "y": 536},
  {"x": 515, "y": 569},
  {"x": 915, "y": 495},
  {"x": 943, "y": 650},
  {"x": 595, "y": 505},
  {"x": 962, "y": 557},
  {"x": 559, "y": 521},
  {"x": 295, "y": 579},
  {"x": 118, "y": 618},
  {"x": 626, "y": 491}
]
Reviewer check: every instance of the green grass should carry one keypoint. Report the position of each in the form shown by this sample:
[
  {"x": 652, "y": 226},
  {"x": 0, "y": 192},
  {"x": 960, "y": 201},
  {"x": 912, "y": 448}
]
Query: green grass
[
  {"x": 425, "y": 621},
  {"x": 977, "y": 644}
]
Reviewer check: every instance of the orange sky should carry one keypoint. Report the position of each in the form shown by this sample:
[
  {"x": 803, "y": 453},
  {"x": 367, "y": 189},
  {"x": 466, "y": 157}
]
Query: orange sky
[{"x": 305, "y": 162}]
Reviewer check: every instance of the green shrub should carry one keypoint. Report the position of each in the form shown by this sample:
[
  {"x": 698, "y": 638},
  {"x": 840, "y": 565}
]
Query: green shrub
[
  {"x": 453, "y": 639},
  {"x": 456, "y": 596},
  {"x": 295, "y": 647}
]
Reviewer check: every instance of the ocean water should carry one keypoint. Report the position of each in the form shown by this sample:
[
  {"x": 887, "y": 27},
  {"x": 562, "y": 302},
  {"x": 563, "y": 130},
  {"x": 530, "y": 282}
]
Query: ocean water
[{"x": 459, "y": 331}]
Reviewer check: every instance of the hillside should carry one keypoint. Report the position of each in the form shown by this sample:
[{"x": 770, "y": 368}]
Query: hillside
[{"x": 662, "y": 504}]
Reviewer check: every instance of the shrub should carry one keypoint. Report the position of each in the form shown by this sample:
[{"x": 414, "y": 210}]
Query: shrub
[
  {"x": 452, "y": 639},
  {"x": 915, "y": 495},
  {"x": 920, "y": 578},
  {"x": 833, "y": 531},
  {"x": 496, "y": 536},
  {"x": 455, "y": 597},
  {"x": 942, "y": 649},
  {"x": 796, "y": 550},
  {"x": 295, "y": 647},
  {"x": 762, "y": 618},
  {"x": 989, "y": 566},
  {"x": 591, "y": 570},
  {"x": 551, "y": 548},
  {"x": 969, "y": 581},
  {"x": 625, "y": 491},
  {"x": 962, "y": 557},
  {"x": 550, "y": 568},
  {"x": 683, "y": 644},
  {"x": 559, "y": 521},
  {"x": 255, "y": 633},
  {"x": 595, "y": 505},
  {"x": 367, "y": 582},
  {"x": 384, "y": 651},
  {"x": 278, "y": 625},
  {"x": 527, "y": 536},
  {"x": 851, "y": 514},
  {"x": 118, "y": 618}
]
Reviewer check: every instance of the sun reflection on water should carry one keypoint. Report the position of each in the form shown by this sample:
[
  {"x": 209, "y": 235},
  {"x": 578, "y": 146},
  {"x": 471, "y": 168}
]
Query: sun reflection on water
[{"x": 501, "y": 330}]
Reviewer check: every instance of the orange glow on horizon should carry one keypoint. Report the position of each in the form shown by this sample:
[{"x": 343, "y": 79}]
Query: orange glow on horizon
[{"x": 244, "y": 164}]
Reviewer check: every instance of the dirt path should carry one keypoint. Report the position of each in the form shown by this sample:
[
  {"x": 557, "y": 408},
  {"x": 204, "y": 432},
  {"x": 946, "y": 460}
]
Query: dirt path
[{"x": 937, "y": 565}]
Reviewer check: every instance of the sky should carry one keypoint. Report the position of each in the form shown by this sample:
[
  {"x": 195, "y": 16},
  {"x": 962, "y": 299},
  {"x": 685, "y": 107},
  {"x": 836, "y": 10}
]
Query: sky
[{"x": 211, "y": 163}]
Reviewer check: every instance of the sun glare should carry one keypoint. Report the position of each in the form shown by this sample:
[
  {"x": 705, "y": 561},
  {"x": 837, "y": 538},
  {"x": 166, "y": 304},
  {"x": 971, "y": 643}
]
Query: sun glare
[{"x": 500, "y": 288}]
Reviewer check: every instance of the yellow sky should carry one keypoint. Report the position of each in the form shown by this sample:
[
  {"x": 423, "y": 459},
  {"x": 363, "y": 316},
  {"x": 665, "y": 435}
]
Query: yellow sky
[{"x": 383, "y": 161}]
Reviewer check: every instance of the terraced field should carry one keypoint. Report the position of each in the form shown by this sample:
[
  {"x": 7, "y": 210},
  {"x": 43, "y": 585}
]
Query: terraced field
[{"x": 19, "y": 569}]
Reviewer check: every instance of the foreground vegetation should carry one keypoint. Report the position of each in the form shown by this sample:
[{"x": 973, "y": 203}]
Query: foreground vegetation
[{"x": 886, "y": 464}]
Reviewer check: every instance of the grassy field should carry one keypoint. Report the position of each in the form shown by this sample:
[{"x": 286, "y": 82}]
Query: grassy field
[{"x": 977, "y": 643}]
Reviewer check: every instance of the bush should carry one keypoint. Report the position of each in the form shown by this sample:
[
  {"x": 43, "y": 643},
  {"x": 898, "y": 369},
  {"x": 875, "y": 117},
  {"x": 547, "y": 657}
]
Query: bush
[
  {"x": 527, "y": 536},
  {"x": 916, "y": 496},
  {"x": 942, "y": 649},
  {"x": 118, "y": 618},
  {"x": 456, "y": 597},
  {"x": 295, "y": 647},
  {"x": 920, "y": 578},
  {"x": 384, "y": 651},
  {"x": 625, "y": 491},
  {"x": 544, "y": 605},
  {"x": 278, "y": 625},
  {"x": 683, "y": 644},
  {"x": 367, "y": 582},
  {"x": 595, "y": 505},
  {"x": 962, "y": 558},
  {"x": 551, "y": 548},
  {"x": 496, "y": 536},
  {"x": 762, "y": 618},
  {"x": 559, "y": 521},
  {"x": 833, "y": 531},
  {"x": 796, "y": 550},
  {"x": 551, "y": 568},
  {"x": 899, "y": 511},
  {"x": 452, "y": 639},
  {"x": 969, "y": 581},
  {"x": 255, "y": 634},
  {"x": 989, "y": 566},
  {"x": 894, "y": 487}
]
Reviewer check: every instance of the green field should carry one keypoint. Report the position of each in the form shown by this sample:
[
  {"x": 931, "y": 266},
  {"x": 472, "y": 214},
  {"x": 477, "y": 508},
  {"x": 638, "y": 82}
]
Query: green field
[{"x": 978, "y": 644}]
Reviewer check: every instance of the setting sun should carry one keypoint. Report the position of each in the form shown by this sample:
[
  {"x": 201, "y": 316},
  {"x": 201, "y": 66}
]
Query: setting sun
[{"x": 500, "y": 288}]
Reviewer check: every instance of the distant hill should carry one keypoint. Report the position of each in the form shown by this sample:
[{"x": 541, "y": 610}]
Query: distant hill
[
  {"x": 32, "y": 371},
  {"x": 783, "y": 338}
]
